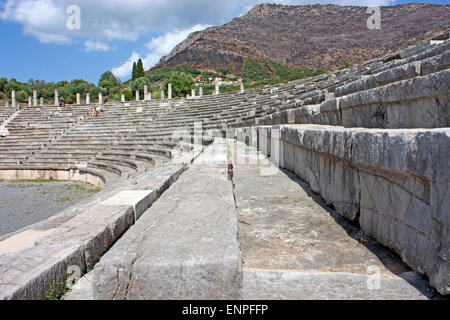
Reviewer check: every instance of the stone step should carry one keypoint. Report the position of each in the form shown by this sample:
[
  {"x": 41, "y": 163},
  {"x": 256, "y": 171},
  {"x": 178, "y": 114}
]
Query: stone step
[{"x": 193, "y": 265}]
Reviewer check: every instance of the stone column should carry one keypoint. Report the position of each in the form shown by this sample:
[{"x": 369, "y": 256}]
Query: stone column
[
  {"x": 193, "y": 93},
  {"x": 100, "y": 98},
  {"x": 137, "y": 95},
  {"x": 7, "y": 104},
  {"x": 13, "y": 98},
  {"x": 217, "y": 90},
  {"x": 200, "y": 91},
  {"x": 41, "y": 102},
  {"x": 169, "y": 89},
  {"x": 150, "y": 96},
  {"x": 88, "y": 98},
  {"x": 56, "y": 98},
  {"x": 145, "y": 93},
  {"x": 35, "y": 99},
  {"x": 78, "y": 99},
  {"x": 122, "y": 98},
  {"x": 242, "y": 87},
  {"x": 162, "y": 94},
  {"x": 29, "y": 101}
]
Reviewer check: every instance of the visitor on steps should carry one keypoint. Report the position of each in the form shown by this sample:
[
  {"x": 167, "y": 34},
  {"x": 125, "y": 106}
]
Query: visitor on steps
[
  {"x": 62, "y": 102},
  {"x": 94, "y": 113}
]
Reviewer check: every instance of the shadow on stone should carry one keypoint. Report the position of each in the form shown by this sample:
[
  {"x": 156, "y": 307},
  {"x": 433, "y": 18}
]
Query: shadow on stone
[{"x": 390, "y": 259}]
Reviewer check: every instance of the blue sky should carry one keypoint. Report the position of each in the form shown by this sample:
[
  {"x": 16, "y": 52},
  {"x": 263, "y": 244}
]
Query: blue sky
[{"x": 36, "y": 42}]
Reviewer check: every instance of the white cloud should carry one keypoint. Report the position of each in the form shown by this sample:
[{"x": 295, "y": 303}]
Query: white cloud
[
  {"x": 155, "y": 49},
  {"x": 90, "y": 46},
  {"x": 125, "y": 69}
]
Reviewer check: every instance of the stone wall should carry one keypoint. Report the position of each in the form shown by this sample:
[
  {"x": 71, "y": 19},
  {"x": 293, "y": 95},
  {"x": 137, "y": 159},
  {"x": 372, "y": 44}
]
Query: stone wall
[
  {"x": 421, "y": 102},
  {"x": 394, "y": 182},
  {"x": 81, "y": 175}
]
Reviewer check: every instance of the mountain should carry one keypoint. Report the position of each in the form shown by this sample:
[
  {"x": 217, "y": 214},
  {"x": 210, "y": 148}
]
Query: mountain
[{"x": 314, "y": 36}]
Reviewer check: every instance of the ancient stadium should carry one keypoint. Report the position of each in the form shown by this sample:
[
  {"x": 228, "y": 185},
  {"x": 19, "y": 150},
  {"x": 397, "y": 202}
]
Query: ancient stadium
[{"x": 269, "y": 193}]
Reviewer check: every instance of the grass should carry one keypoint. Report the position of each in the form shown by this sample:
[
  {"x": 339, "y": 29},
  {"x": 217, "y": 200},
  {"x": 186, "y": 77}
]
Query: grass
[
  {"x": 57, "y": 290},
  {"x": 30, "y": 181},
  {"x": 63, "y": 200},
  {"x": 80, "y": 188},
  {"x": 75, "y": 187}
]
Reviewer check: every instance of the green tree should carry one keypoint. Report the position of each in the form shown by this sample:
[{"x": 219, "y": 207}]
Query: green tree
[
  {"x": 22, "y": 96},
  {"x": 108, "y": 76},
  {"x": 133, "y": 74},
  {"x": 182, "y": 84},
  {"x": 10, "y": 86},
  {"x": 139, "y": 84},
  {"x": 128, "y": 94},
  {"x": 140, "y": 69},
  {"x": 3, "y": 82}
]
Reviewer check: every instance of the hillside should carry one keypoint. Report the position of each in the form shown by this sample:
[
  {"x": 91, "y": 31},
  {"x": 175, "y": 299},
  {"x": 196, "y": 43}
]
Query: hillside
[{"x": 313, "y": 36}]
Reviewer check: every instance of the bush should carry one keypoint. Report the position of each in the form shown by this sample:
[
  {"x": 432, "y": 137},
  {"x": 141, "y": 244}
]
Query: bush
[
  {"x": 3, "y": 82},
  {"x": 22, "y": 96},
  {"x": 128, "y": 95},
  {"x": 226, "y": 70},
  {"x": 182, "y": 84},
  {"x": 10, "y": 86},
  {"x": 110, "y": 77},
  {"x": 139, "y": 84},
  {"x": 253, "y": 71}
]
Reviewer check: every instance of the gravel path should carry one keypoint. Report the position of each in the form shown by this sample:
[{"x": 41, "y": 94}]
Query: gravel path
[{"x": 26, "y": 203}]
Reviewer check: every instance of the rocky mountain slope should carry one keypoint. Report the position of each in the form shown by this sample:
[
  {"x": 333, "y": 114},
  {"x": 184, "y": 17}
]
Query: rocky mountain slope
[{"x": 314, "y": 36}]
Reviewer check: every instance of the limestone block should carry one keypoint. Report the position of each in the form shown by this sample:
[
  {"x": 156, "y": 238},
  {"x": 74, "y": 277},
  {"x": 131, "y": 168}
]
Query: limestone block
[
  {"x": 397, "y": 180},
  {"x": 95, "y": 230},
  {"x": 28, "y": 274},
  {"x": 421, "y": 102},
  {"x": 330, "y": 113},
  {"x": 436, "y": 64},
  {"x": 201, "y": 258}
]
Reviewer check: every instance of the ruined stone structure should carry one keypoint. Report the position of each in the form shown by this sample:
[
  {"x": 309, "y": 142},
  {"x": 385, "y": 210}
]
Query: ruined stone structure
[{"x": 254, "y": 195}]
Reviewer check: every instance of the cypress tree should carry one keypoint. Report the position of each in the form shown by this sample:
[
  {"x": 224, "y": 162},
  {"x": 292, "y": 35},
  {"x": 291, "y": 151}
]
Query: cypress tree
[
  {"x": 140, "y": 69},
  {"x": 133, "y": 75}
]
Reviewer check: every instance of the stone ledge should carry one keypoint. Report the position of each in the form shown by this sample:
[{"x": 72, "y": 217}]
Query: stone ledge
[
  {"x": 420, "y": 102},
  {"x": 201, "y": 258},
  {"x": 44, "y": 255},
  {"x": 57, "y": 173},
  {"x": 395, "y": 181}
]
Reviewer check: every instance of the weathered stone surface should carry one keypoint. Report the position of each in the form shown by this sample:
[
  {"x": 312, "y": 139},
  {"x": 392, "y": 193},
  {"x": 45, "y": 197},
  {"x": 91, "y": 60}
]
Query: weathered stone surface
[
  {"x": 285, "y": 284},
  {"x": 96, "y": 230},
  {"x": 436, "y": 64},
  {"x": 402, "y": 72},
  {"x": 87, "y": 234},
  {"x": 389, "y": 178},
  {"x": 139, "y": 199},
  {"x": 82, "y": 290},
  {"x": 28, "y": 274},
  {"x": 294, "y": 246},
  {"x": 201, "y": 258},
  {"x": 422, "y": 102}
]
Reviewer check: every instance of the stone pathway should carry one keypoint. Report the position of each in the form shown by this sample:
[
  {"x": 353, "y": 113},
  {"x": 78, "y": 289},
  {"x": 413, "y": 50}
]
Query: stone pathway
[{"x": 295, "y": 247}]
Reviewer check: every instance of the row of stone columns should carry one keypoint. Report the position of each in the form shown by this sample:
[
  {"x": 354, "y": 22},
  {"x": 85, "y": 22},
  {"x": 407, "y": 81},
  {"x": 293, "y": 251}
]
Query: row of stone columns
[{"x": 147, "y": 96}]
